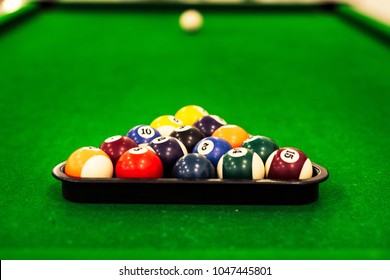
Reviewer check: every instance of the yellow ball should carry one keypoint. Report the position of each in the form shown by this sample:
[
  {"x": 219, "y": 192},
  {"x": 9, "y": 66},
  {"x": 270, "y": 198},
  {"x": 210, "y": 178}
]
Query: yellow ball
[
  {"x": 166, "y": 124},
  {"x": 190, "y": 114},
  {"x": 191, "y": 20}
]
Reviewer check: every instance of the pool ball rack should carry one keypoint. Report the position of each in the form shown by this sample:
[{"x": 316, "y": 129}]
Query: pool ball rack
[{"x": 183, "y": 191}]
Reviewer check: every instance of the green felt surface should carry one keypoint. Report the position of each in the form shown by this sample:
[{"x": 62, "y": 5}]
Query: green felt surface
[{"x": 308, "y": 79}]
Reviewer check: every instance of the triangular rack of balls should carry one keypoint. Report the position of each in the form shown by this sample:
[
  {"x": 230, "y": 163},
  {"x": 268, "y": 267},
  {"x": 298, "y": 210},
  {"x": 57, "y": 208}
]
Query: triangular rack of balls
[{"x": 190, "y": 145}]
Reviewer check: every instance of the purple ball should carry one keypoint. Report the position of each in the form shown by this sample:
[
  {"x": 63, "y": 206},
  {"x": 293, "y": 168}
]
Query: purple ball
[
  {"x": 169, "y": 150},
  {"x": 209, "y": 124}
]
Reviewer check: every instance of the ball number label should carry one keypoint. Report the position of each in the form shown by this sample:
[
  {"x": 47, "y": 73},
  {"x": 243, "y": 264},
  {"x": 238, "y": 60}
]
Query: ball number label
[
  {"x": 145, "y": 131},
  {"x": 90, "y": 148},
  {"x": 175, "y": 120},
  {"x": 161, "y": 139},
  {"x": 205, "y": 147},
  {"x": 113, "y": 139},
  {"x": 238, "y": 152},
  {"x": 289, "y": 156},
  {"x": 138, "y": 151},
  {"x": 183, "y": 128}
]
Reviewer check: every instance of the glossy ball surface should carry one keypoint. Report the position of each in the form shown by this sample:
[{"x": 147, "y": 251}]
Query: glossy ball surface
[
  {"x": 213, "y": 148},
  {"x": 191, "y": 20},
  {"x": 190, "y": 114},
  {"x": 234, "y": 134},
  {"x": 139, "y": 162},
  {"x": 143, "y": 134},
  {"x": 188, "y": 135},
  {"x": 261, "y": 145},
  {"x": 166, "y": 124},
  {"x": 288, "y": 164},
  {"x": 115, "y": 146},
  {"x": 169, "y": 150},
  {"x": 89, "y": 162},
  {"x": 193, "y": 166},
  {"x": 240, "y": 163},
  {"x": 208, "y": 124}
]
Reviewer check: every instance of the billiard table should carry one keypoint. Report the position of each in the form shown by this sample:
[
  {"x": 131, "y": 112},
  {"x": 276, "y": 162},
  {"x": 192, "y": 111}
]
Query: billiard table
[{"x": 314, "y": 77}]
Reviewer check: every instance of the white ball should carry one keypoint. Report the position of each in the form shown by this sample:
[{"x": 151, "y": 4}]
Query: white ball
[{"x": 191, "y": 21}]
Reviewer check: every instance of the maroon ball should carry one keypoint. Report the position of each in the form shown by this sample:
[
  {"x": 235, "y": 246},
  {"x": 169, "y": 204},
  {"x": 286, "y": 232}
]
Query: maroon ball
[
  {"x": 288, "y": 164},
  {"x": 208, "y": 124},
  {"x": 115, "y": 146}
]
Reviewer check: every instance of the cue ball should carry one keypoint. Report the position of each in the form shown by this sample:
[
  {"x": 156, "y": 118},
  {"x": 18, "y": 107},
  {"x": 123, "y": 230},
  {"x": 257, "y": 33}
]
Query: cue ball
[
  {"x": 287, "y": 164},
  {"x": 191, "y": 21}
]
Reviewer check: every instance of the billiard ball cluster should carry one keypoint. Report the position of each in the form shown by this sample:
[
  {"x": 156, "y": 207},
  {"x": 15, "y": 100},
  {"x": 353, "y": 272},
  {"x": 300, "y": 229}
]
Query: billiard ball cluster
[{"x": 189, "y": 145}]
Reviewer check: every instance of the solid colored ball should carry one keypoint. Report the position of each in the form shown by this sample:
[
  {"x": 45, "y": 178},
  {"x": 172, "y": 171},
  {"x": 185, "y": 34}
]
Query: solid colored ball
[
  {"x": 143, "y": 134},
  {"x": 115, "y": 146},
  {"x": 261, "y": 145},
  {"x": 234, "y": 134},
  {"x": 213, "y": 148},
  {"x": 89, "y": 162},
  {"x": 209, "y": 124},
  {"x": 288, "y": 163},
  {"x": 139, "y": 162},
  {"x": 190, "y": 114},
  {"x": 193, "y": 166},
  {"x": 166, "y": 124},
  {"x": 188, "y": 135},
  {"x": 169, "y": 150},
  {"x": 240, "y": 163},
  {"x": 191, "y": 20}
]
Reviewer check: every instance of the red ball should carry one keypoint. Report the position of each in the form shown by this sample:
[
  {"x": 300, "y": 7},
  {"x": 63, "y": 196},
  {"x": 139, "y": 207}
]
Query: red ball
[
  {"x": 115, "y": 146},
  {"x": 139, "y": 163},
  {"x": 287, "y": 164}
]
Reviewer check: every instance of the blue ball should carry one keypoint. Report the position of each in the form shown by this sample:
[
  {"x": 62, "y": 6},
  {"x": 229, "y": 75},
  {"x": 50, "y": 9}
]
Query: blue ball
[
  {"x": 143, "y": 134},
  {"x": 193, "y": 166},
  {"x": 213, "y": 148}
]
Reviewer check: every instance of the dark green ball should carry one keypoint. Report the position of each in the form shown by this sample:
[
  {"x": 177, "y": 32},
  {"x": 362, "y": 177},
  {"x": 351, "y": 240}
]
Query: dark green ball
[
  {"x": 261, "y": 145},
  {"x": 240, "y": 163}
]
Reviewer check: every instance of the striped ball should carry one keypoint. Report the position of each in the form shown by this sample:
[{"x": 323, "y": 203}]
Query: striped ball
[
  {"x": 89, "y": 162},
  {"x": 287, "y": 164},
  {"x": 240, "y": 163}
]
